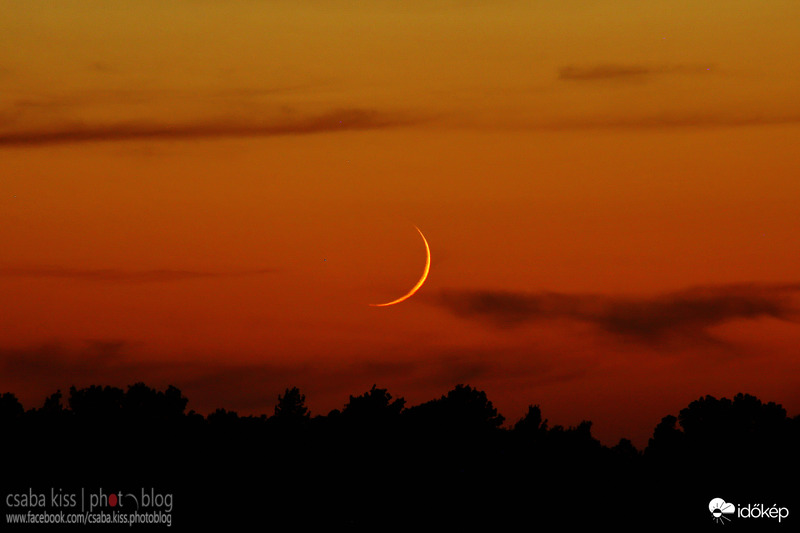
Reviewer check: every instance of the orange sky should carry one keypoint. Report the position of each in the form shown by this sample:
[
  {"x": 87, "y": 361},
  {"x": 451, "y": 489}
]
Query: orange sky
[{"x": 210, "y": 193}]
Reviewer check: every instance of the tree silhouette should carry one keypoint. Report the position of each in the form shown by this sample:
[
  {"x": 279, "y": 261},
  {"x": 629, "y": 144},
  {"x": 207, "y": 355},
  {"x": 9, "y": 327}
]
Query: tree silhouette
[
  {"x": 531, "y": 427},
  {"x": 96, "y": 403},
  {"x": 462, "y": 410},
  {"x": 449, "y": 459},
  {"x": 10, "y": 408},
  {"x": 52, "y": 404},
  {"x": 720, "y": 430},
  {"x": 52, "y": 414},
  {"x": 143, "y": 403},
  {"x": 291, "y": 406},
  {"x": 625, "y": 450},
  {"x": 223, "y": 417},
  {"x": 667, "y": 442},
  {"x": 374, "y": 408}
]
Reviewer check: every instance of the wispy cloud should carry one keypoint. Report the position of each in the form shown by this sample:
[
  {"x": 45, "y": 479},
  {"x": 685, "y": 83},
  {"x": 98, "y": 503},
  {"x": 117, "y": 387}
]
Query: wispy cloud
[
  {"x": 338, "y": 120},
  {"x": 628, "y": 72},
  {"x": 253, "y": 387},
  {"x": 123, "y": 276},
  {"x": 686, "y": 314},
  {"x": 52, "y": 362}
]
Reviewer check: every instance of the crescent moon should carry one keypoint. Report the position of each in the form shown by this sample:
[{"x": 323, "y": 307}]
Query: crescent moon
[{"x": 416, "y": 287}]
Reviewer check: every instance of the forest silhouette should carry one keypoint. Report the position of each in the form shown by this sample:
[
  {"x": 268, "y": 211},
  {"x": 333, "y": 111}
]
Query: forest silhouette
[{"x": 379, "y": 464}]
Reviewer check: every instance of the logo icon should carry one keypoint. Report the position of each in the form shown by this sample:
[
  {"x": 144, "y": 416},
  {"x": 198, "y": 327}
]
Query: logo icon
[{"x": 719, "y": 508}]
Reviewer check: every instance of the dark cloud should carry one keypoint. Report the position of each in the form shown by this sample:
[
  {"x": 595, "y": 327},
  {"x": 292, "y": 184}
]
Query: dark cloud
[
  {"x": 56, "y": 363},
  {"x": 252, "y": 388},
  {"x": 122, "y": 276},
  {"x": 624, "y": 72},
  {"x": 339, "y": 120},
  {"x": 686, "y": 314}
]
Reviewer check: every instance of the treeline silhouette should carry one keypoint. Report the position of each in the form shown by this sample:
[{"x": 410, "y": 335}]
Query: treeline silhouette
[{"x": 379, "y": 464}]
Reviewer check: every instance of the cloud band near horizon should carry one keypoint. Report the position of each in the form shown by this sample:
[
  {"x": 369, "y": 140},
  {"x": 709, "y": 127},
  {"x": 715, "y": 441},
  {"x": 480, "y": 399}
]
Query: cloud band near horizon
[
  {"x": 350, "y": 119},
  {"x": 687, "y": 313}
]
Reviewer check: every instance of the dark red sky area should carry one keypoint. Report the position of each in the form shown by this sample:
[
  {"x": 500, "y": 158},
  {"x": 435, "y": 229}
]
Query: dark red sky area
[{"x": 609, "y": 192}]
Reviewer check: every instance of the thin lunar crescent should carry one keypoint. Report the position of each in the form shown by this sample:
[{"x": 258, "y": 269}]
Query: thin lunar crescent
[{"x": 416, "y": 287}]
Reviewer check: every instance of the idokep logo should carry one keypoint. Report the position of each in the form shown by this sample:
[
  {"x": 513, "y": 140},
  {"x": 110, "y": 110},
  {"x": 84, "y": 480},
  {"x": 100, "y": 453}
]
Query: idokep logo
[{"x": 719, "y": 508}]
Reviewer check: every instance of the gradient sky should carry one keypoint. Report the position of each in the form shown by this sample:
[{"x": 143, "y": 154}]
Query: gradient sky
[{"x": 210, "y": 193}]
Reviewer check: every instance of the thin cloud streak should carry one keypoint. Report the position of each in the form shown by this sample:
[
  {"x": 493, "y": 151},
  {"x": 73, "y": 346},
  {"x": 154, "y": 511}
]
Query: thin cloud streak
[
  {"x": 335, "y": 121},
  {"x": 686, "y": 314},
  {"x": 123, "y": 276},
  {"x": 625, "y": 72}
]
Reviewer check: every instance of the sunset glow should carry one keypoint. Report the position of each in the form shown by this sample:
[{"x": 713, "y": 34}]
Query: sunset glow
[{"x": 207, "y": 194}]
